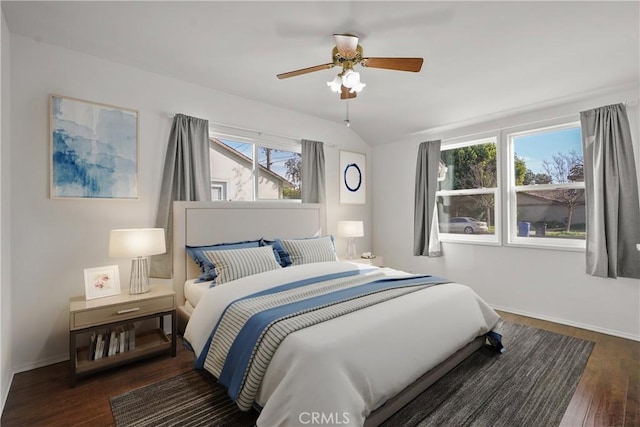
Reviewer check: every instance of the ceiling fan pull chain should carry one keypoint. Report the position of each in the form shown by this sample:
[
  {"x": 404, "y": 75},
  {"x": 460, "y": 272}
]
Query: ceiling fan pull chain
[{"x": 347, "y": 121}]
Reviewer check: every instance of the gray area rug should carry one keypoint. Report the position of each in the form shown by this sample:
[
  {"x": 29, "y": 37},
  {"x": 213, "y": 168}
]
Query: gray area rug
[{"x": 529, "y": 385}]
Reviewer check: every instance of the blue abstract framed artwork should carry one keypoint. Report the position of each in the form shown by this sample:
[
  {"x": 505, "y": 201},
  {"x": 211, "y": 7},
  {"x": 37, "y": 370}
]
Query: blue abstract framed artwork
[
  {"x": 94, "y": 150},
  {"x": 353, "y": 167}
]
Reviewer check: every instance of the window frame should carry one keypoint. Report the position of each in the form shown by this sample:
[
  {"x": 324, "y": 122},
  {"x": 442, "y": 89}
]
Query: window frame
[
  {"x": 511, "y": 189},
  {"x": 260, "y": 141},
  {"x": 506, "y": 226},
  {"x": 479, "y": 239},
  {"x": 222, "y": 185}
]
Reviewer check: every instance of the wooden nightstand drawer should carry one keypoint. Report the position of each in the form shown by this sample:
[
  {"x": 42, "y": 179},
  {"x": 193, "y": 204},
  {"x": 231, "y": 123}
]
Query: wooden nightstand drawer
[{"x": 124, "y": 311}]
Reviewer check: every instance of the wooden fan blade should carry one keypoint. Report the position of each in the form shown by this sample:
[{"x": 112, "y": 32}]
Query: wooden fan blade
[
  {"x": 400, "y": 64},
  {"x": 305, "y": 71},
  {"x": 345, "y": 94}
]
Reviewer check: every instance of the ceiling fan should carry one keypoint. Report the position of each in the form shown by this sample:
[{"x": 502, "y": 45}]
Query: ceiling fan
[{"x": 346, "y": 54}]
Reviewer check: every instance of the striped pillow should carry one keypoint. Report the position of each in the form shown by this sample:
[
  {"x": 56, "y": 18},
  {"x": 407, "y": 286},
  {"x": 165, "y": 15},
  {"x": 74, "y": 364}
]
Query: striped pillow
[
  {"x": 207, "y": 269},
  {"x": 306, "y": 251},
  {"x": 233, "y": 264}
]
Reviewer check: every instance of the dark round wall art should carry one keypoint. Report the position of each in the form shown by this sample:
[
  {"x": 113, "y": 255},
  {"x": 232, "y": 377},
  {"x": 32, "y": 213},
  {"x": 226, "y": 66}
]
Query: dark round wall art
[{"x": 352, "y": 177}]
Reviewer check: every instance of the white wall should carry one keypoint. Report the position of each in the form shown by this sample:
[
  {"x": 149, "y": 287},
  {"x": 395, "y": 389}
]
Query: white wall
[
  {"x": 54, "y": 240},
  {"x": 6, "y": 373},
  {"x": 546, "y": 284}
]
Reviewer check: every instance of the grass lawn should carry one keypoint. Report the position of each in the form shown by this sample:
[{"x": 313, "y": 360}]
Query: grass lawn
[{"x": 563, "y": 234}]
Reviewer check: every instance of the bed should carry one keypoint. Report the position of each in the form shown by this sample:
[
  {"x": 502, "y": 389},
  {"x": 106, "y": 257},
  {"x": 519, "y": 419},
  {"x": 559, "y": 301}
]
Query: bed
[{"x": 355, "y": 369}]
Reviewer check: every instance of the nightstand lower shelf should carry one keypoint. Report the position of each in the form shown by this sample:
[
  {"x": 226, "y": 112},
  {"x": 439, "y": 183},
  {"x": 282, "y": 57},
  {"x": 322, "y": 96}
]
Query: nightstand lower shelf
[{"x": 147, "y": 344}]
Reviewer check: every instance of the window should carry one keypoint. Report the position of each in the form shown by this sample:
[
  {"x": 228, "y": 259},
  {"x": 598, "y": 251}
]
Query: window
[
  {"x": 276, "y": 164},
  {"x": 526, "y": 184},
  {"x": 244, "y": 169},
  {"x": 468, "y": 191},
  {"x": 546, "y": 186},
  {"x": 218, "y": 190}
]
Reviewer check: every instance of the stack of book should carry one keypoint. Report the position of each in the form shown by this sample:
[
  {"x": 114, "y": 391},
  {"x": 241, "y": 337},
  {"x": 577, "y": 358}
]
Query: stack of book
[{"x": 110, "y": 342}]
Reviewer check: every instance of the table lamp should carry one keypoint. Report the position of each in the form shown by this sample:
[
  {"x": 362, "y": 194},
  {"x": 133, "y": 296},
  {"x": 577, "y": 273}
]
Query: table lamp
[
  {"x": 137, "y": 243},
  {"x": 351, "y": 230}
]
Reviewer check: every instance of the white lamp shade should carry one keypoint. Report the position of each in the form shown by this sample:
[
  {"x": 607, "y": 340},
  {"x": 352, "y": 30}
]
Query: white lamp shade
[
  {"x": 351, "y": 78},
  {"x": 350, "y": 228},
  {"x": 335, "y": 84},
  {"x": 136, "y": 242},
  {"x": 345, "y": 43},
  {"x": 358, "y": 88}
]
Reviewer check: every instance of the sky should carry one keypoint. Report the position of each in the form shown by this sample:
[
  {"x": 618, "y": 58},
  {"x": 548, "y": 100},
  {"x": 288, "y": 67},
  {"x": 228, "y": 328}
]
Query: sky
[{"x": 534, "y": 149}]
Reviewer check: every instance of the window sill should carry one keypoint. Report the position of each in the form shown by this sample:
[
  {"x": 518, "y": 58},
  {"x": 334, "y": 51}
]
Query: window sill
[
  {"x": 489, "y": 240},
  {"x": 478, "y": 240},
  {"x": 550, "y": 247}
]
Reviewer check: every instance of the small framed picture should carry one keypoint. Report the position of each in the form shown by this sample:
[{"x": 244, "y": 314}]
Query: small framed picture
[{"x": 101, "y": 282}]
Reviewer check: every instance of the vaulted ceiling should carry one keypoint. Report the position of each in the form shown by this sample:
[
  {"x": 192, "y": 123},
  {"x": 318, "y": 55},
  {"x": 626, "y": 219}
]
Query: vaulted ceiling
[{"x": 480, "y": 58}]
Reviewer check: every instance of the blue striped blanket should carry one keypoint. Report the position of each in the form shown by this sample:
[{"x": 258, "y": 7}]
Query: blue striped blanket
[{"x": 248, "y": 333}]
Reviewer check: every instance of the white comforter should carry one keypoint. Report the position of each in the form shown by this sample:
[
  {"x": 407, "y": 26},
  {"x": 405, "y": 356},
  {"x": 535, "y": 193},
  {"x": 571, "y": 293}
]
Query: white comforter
[{"x": 343, "y": 369}]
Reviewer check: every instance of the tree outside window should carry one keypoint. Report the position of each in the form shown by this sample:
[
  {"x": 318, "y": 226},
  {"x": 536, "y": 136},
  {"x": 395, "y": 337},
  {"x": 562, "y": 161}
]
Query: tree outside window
[
  {"x": 468, "y": 192},
  {"x": 550, "y": 193}
]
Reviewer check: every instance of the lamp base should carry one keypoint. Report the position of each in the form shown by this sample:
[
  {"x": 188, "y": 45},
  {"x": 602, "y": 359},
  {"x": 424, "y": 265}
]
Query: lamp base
[
  {"x": 351, "y": 248},
  {"x": 139, "y": 281}
]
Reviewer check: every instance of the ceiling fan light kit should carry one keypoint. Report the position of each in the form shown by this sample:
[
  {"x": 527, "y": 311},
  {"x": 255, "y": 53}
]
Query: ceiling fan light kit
[
  {"x": 346, "y": 54},
  {"x": 349, "y": 79}
]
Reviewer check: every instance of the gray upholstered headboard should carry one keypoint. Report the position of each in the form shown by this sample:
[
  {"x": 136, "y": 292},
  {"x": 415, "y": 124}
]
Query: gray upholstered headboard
[{"x": 205, "y": 223}]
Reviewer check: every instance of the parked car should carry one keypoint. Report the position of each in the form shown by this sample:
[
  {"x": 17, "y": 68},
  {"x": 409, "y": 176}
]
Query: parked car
[{"x": 464, "y": 224}]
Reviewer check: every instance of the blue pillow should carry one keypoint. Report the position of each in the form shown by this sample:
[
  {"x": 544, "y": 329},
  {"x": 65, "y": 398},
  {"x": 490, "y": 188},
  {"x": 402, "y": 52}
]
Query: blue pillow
[
  {"x": 282, "y": 256},
  {"x": 208, "y": 271}
]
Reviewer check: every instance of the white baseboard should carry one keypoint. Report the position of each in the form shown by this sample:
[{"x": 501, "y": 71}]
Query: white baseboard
[
  {"x": 5, "y": 395},
  {"x": 41, "y": 363},
  {"x": 569, "y": 323}
]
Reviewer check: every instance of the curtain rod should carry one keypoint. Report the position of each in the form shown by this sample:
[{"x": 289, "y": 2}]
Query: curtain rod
[
  {"x": 257, "y": 132},
  {"x": 509, "y": 127},
  {"x": 627, "y": 103},
  {"x": 240, "y": 128}
]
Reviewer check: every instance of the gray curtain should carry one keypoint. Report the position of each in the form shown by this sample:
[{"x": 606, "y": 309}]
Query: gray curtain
[
  {"x": 313, "y": 176},
  {"x": 186, "y": 177},
  {"x": 426, "y": 240},
  {"x": 613, "y": 212}
]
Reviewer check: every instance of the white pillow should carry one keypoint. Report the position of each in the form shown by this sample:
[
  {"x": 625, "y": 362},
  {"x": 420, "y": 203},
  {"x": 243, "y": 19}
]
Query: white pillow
[
  {"x": 307, "y": 251},
  {"x": 232, "y": 264}
]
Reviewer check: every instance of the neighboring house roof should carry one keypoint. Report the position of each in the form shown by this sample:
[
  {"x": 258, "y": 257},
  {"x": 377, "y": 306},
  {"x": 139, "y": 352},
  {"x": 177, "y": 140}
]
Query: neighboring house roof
[
  {"x": 540, "y": 197},
  {"x": 249, "y": 161}
]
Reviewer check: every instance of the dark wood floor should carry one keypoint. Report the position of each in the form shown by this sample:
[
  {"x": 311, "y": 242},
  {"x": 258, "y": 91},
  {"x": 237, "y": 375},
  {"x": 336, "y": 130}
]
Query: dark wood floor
[
  {"x": 609, "y": 391},
  {"x": 607, "y": 395}
]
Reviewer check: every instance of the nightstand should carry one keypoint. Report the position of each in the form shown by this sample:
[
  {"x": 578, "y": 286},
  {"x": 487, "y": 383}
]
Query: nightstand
[
  {"x": 116, "y": 313},
  {"x": 377, "y": 261}
]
